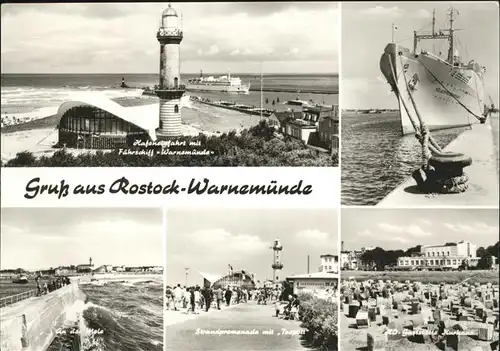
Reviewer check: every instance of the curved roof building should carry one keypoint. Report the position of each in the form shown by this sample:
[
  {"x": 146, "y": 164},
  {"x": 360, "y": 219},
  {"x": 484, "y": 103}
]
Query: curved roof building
[
  {"x": 241, "y": 279},
  {"x": 92, "y": 121}
]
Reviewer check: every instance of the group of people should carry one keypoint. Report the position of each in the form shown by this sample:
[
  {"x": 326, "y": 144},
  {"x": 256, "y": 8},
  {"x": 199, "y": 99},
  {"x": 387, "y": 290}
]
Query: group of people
[
  {"x": 195, "y": 298},
  {"x": 265, "y": 295},
  {"x": 51, "y": 285},
  {"x": 289, "y": 310},
  {"x": 274, "y": 101}
]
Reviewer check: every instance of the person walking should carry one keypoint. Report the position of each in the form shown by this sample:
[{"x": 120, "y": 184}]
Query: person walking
[
  {"x": 219, "y": 295},
  {"x": 186, "y": 298},
  {"x": 208, "y": 296},
  {"x": 192, "y": 300},
  {"x": 227, "y": 295},
  {"x": 197, "y": 299},
  {"x": 177, "y": 297},
  {"x": 168, "y": 298}
]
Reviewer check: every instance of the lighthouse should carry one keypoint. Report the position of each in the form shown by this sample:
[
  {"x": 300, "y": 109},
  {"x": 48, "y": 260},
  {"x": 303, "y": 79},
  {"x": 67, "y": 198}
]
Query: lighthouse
[
  {"x": 277, "y": 265},
  {"x": 169, "y": 89}
]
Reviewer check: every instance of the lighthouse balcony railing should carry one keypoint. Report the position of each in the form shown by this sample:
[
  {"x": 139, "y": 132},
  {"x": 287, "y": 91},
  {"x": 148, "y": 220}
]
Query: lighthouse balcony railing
[
  {"x": 179, "y": 87},
  {"x": 174, "y": 32}
]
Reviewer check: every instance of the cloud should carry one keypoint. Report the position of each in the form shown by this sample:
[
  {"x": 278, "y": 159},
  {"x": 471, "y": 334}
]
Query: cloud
[
  {"x": 313, "y": 236},
  {"x": 422, "y": 14},
  {"x": 227, "y": 243},
  {"x": 383, "y": 236},
  {"x": 384, "y": 11},
  {"x": 111, "y": 237},
  {"x": 472, "y": 228},
  {"x": 214, "y": 49},
  {"x": 70, "y": 38},
  {"x": 412, "y": 229}
]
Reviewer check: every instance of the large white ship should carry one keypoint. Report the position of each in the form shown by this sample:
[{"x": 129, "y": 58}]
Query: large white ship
[
  {"x": 446, "y": 92},
  {"x": 226, "y": 84}
]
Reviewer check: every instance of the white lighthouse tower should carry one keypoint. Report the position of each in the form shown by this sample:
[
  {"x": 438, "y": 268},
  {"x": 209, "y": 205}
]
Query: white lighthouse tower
[
  {"x": 277, "y": 265},
  {"x": 169, "y": 90}
]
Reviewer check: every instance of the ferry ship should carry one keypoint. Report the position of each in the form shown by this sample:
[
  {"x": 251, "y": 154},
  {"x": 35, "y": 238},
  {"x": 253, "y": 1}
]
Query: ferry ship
[
  {"x": 446, "y": 92},
  {"x": 226, "y": 84}
]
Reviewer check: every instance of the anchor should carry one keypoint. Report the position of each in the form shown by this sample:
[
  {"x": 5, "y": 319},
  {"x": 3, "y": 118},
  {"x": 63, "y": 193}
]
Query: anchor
[{"x": 442, "y": 172}]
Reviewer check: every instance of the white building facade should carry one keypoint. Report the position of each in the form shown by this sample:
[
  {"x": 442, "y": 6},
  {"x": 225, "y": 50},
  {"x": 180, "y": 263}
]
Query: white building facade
[
  {"x": 448, "y": 256},
  {"x": 329, "y": 263}
]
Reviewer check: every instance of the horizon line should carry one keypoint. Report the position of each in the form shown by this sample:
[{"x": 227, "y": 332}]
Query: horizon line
[{"x": 122, "y": 73}]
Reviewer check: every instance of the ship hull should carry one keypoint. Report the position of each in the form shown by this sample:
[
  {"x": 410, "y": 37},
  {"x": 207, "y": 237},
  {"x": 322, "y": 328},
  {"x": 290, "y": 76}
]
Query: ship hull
[
  {"x": 233, "y": 89},
  {"x": 445, "y": 96}
]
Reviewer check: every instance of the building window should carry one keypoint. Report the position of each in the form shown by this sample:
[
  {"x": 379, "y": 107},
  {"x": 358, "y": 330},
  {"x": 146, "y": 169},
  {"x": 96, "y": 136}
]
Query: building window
[
  {"x": 176, "y": 82},
  {"x": 176, "y": 108}
]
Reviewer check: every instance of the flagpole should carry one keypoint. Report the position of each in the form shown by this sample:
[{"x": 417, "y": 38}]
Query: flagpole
[{"x": 392, "y": 33}]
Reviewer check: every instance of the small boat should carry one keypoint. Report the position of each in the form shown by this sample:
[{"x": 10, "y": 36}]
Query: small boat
[
  {"x": 297, "y": 102},
  {"x": 21, "y": 279}
]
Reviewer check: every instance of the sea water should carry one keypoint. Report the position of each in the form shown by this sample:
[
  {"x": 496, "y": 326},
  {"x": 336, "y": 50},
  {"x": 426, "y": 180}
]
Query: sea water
[
  {"x": 376, "y": 158},
  {"x": 36, "y": 96}
]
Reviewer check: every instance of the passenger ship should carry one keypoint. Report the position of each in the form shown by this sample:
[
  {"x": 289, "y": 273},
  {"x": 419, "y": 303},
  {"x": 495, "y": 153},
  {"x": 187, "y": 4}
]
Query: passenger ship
[
  {"x": 446, "y": 92},
  {"x": 226, "y": 84}
]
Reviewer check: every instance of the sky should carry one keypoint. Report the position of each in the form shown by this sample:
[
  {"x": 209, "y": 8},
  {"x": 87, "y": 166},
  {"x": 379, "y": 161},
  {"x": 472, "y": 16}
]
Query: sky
[
  {"x": 366, "y": 30},
  {"x": 393, "y": 229},
  {"x": 43, "y": 238},
  {"x": 121, "y": 37},
  {"x": 210, "y": 240}
]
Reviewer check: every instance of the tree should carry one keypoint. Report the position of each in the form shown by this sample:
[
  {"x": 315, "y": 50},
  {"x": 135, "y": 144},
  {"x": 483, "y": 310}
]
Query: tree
[
  {"x": 257, "y": 146},
  {"x": 494, "y": 250},
  {"x": 22, "y": 159},
  {"x": 481, "y": 251},
  {"x": 485, "y": 262}
]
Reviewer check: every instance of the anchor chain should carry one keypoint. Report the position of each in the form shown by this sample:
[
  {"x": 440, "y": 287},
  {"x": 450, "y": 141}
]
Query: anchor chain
[{"x": 449, "y": 92}]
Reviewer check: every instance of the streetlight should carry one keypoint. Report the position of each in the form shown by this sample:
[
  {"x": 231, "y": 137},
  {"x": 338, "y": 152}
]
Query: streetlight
[{"x": 187, "y": 272}]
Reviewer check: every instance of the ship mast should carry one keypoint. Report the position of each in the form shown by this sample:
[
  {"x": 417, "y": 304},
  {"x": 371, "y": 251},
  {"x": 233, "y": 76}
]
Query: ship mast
[
  {"x": 439, "y": 35},
  {"x": 433, "y": 22},
  {"x": 261, "y": 82},
  {"x": 450, "y": 37}
]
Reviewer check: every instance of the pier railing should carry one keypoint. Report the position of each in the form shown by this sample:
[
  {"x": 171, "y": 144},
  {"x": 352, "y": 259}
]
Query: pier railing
[{"x": 9, "y": 300}]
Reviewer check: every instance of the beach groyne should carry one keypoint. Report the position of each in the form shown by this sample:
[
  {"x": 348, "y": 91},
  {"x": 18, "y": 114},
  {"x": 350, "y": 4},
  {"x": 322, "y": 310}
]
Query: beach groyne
[{"x": 32, "y": 324}]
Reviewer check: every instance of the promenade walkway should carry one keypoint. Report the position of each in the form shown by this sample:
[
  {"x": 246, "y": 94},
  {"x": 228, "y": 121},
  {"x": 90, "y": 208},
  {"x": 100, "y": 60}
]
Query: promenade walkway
[{"x": 187, "y": 335}]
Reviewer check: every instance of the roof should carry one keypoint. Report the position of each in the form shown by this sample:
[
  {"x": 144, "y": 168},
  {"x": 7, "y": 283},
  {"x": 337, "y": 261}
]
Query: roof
[
  {"x": 302, "y": 123},
  {"x": 148, "y": 122},
  {"x": 328, "y": 255},
  {"x": 317, "y": 275},
  {"x": 169, "y": 11},
  {"x": 212, "y": 278},
  {"x": 282, "y": 116},
  {"x": 328, "y": 116}
]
